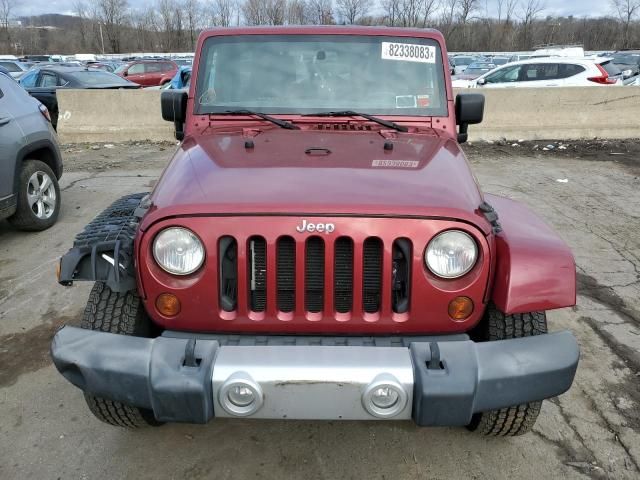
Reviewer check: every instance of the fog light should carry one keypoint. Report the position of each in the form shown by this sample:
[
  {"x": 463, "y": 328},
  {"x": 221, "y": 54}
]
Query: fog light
[
  {"x": 240, "y": 395},
  {"x": 460, "y": 308},
  {"x": 384, "y": 397},
  {"x": 168, "y": 304}
]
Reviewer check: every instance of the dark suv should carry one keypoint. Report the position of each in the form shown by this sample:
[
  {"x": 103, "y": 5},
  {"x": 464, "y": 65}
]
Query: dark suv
[{"x": 30, "y": 162}]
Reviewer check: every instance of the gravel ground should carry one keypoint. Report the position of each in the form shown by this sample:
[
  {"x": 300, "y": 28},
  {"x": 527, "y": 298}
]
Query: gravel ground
[{"x": 587, "y": 191}]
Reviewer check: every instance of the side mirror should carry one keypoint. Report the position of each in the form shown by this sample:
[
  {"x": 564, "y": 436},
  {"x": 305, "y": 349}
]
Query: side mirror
[
  {"x": 174, "y": 109},
  {"x": 469, "y": 110},
  {"x": 481, "y": 81},
  {"x": 125, "y": 73}
]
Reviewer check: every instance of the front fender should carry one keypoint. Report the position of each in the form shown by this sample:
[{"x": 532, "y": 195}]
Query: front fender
[{"x": 535, "y": 269}]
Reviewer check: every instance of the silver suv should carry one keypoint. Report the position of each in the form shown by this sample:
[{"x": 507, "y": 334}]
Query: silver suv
[{"x": 30, "y": 161}]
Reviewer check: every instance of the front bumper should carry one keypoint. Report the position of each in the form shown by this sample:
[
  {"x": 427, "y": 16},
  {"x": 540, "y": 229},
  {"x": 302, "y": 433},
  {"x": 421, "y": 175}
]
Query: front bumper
[{"x": 439, "y": 380}]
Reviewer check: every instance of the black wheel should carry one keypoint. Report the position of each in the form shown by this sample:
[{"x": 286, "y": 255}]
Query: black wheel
[
  {"x": 38, "y": 197},
  {"x": 519, "y": 419},
  {"x": 121, "y": 313}
]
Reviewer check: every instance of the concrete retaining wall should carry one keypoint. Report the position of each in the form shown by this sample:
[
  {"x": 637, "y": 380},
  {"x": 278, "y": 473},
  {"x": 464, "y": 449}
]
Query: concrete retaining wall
[
  {"x": 111, "y": 116},
  {"x": 513, "y": 113},
  {"x": 568, "y": 113}
]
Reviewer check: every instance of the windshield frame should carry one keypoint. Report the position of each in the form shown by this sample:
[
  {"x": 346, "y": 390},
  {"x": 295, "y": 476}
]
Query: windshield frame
[{"x": 419, "y": 113}]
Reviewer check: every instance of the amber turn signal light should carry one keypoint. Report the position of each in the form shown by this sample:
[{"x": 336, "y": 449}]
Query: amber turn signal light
[
  {"x": 460, "y": 308},
  {"x": 168, "y": 304}
]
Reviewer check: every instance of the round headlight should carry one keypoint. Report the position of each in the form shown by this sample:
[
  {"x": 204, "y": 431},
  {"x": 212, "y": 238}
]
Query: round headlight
[
  {"x": 178, "y": 251},
  {"x": 451, "y": 254}
]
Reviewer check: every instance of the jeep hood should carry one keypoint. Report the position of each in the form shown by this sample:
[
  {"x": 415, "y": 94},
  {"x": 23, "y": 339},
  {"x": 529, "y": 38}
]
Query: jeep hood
[{"x": 312, "y": 171}]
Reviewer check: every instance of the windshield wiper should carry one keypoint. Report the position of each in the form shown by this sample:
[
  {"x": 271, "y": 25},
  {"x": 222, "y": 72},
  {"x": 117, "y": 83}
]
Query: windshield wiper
[
  {"x": 351, "y": 113},
  {"x": 276, "y": 121}
]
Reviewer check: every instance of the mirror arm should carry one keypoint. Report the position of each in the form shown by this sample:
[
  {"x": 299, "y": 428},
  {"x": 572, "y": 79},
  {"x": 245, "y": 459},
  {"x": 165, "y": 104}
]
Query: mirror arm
[
  {"x": 462, "y": 133},
  {"x": 179, "y": 130}
]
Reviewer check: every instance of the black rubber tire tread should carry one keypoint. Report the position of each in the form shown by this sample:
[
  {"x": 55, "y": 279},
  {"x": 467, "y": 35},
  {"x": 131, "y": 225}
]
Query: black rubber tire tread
[
  {"x": 519, "y": 419},
  {"x": 24, "y": 218},
  {"x": 116, "y": 222},
  {"x": 121, "y": 313}
]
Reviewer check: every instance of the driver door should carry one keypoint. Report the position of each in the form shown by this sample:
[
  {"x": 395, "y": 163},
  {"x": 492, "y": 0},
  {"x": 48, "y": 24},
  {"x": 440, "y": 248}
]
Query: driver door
[{"x": 505, "y": 77}]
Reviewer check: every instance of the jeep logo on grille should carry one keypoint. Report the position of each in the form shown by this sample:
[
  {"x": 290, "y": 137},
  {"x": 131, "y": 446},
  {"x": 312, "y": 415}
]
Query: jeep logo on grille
[{"x": 315, "y": 227}]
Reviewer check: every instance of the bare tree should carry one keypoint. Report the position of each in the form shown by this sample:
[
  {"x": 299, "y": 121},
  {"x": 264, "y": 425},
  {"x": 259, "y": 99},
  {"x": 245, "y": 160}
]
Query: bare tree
[
  {"x": 320, "y": 12},
  {"x": 81, "y": 10},
  {"x": 254, "y": 12},
  {"x": 529, "y": 14},
  {"x": 448, "y": 17},
  {"x": 113, "y": 15},
  {"x": 275, "y": 11},
  {"x": 413, "y": 13},
  {"x": 466, "y": 9},
  {"x": 391, "y": 9},
  {"x": 192, "y": 9},
  {"x": 627, "y": 11},
  {"x": 298, "y": 12},
  {"x": 352, "y": 10},
  {"x": 224, "y": 11},
  {"x": 5, "y": 13}
]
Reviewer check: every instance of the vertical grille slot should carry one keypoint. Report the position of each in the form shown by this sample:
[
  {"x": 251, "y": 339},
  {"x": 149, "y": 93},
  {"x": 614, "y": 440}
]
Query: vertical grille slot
[
  {"x": 257, "y": 265},
  {"x": 314, "y": 275},
  {"x": 343, "y": 275},
  {"x": 228, "y": 273},
  {"x": 372, "y": 274},
  {"x": 401, "y": 275},
  {"x": 286, "y": 274}
]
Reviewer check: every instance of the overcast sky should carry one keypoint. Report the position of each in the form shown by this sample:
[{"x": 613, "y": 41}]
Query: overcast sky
[{"x": 589, "y": 8}]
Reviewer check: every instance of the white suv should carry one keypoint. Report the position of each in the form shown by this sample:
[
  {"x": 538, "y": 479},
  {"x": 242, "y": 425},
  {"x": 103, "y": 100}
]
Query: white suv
[{"x": 549, "y": 72}]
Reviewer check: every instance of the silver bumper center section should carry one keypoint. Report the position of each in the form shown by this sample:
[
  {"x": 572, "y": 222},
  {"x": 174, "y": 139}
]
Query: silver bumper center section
[
  {"x": 353, "y": 383},
  {"x": 438, "y": 381}
]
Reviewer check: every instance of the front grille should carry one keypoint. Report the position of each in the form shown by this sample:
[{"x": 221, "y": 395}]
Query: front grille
[
  {"x": 372, "y": 275},
  {"x": 315, "y": 275},
  {"x": 343, "y": 275},
  {"x": 257, "y": 262},
  {"x": 286, "y": 274}
]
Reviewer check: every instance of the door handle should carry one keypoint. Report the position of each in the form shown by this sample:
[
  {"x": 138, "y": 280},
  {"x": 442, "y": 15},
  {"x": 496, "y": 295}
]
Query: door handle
[{"x": 4, "y": 120}]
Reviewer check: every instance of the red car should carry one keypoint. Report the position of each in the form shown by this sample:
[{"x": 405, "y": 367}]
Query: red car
[
  {"x": 318, "y": 248},
  {"x": 148, "y": 73}
]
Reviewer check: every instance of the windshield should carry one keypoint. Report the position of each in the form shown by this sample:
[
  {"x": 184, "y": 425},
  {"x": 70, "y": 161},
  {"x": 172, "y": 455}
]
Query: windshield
[
  {"x": 461, "y": 61},
  {"x": 98, "y": 77},
  {"x": 477, "y": 70},
  {"x": 320, "y": 73},
  {"x": 11, "y": 66},
  {"x": 626, "y": 59}
]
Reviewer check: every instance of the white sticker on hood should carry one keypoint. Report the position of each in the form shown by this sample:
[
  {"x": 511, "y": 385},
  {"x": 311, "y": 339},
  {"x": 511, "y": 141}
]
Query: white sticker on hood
[
  {"x": 395, "y": 163},
  {"x": 408, "y": 52}
]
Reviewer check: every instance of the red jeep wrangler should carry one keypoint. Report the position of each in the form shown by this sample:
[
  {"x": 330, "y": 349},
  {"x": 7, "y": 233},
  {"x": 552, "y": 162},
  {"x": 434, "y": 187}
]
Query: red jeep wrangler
[{"x": 318, "y": 248}]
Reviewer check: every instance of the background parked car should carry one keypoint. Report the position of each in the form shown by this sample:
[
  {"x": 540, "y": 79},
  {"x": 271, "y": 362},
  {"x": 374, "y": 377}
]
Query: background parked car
[
  {"x": 30, "y": 161},
  {"x": 148, "y": 73},
  {"x": 498, "y": 60},
  {"x": 42, "y": 83},
  {"x": 552, "y": 72},
  {"x": 183, "y": 62},
  {"x": 628, "y": 61},
  {"x": 472, "y": 72},
  {"x": 107, "y": 67},
  {"x": 15, "y": 68},
  {"x": 461, "y": 62}
]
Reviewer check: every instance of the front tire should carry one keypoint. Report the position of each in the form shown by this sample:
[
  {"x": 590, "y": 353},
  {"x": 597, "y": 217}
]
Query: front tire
[
  {"x": 38, "y": 197},
  {"x": 519, "y": 419},
  {"x": 121, "y": 313}
]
